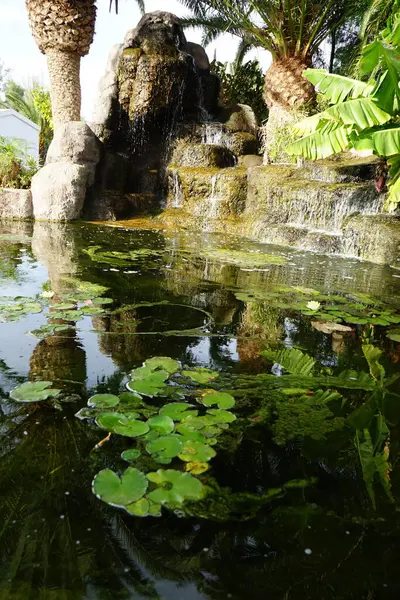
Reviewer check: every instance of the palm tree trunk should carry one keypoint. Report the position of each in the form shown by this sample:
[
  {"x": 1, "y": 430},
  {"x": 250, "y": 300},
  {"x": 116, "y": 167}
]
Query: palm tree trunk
[
  {"x": 287, "y": 94},
  {"x": 65, "y": 86}
]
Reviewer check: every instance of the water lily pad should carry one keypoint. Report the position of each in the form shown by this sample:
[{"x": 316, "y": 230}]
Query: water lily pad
[
  {"x": 146, "y": 387},
  {"x": 120, "y": 491},
  {"x": 131, "y": 455},
  {"x": 222, "y": 399},
  {"x": 36, "y": 391},
  {"x": 196, "y": 468},
  {"x": 139, "y": 508},
  {"x": 163, "y": 362},
  {"x": 122, "y": 424},
  {"x": 221, "y": 416},
  {"x": 174, "y": 487},
  {"x": 201, "y": 375},
  {"x": 196, "y": 452},
  {"x": 86, "y": 413},
  {"x": 395, "y": 337},
  {"x": 130, "y": 399},
  {"x": 177, "y": 410},
  {"x": 103, "y": 401},
  {"x": 101, "y": 301},
  {"x": 162, "y": 424},
  {"x": 63, "y": 306},
  {"x": 165, "y": 447}
]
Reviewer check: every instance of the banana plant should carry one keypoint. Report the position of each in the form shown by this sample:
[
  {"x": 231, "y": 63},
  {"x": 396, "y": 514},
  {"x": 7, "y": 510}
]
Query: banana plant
[{"x": 361, "y": 115}]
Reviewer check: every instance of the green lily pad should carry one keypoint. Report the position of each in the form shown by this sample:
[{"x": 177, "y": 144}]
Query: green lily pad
[
  {"x": 146, "y": 387},
  {"x": 196, "y": 452},
  {"x": 101, "y": 301},
  {"x": 163, "y": 362},
  {"x": 174, "y": 487},
  {"x": 221, "y": 416},
  {"x": 63, "y": 306},
  {"x": 122, "y": 424},
  {"x": 178, "y": 410},
  {"x": 165, "y": 447},
  {"x": 130, "y": 400},
  {"x": 120, "y": 492},
  {"x": 201, "y": 375},
  {"x": 141, "y": 373},
  {"x": 36, "y": 391},
  {"x": 162, "y": 424},
  {"x": 103, "y": 401},
  {"x": 222, "y": 399},
  {"x": 131, "y": 455},
  {"x": 86, "y": 413},
  {"x": 139, "y": 508},
  {"x": 395, "y": 337},
  {"x": 191, "y": 434}
]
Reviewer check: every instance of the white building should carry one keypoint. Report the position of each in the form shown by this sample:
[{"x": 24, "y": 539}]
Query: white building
[{"x": 13, "y": 125}]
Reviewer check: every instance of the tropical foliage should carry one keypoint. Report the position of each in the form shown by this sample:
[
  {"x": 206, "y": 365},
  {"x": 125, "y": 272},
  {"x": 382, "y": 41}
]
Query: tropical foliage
[
  {"x": 242, "y": 83},
  {"x": 16, "y": 166},
  {"x": 362, "y": 115},
  {"x": 34, "y": 104}
]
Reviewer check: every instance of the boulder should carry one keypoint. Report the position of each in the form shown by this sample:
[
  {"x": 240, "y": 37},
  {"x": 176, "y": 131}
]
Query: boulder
[
  {"x": 75, "y": 142},
  {"x": 200, "y": 56},
  {"x": 239, "y": 118},
  {"x": 15, "y": 204},
  {"x": 250, "y": 160},
  {"x": 59, "y": 191},
  {"x": 242, "y": 143},
  {"x": 156, "y": 32},
  {"x": 202, "y": 156}
]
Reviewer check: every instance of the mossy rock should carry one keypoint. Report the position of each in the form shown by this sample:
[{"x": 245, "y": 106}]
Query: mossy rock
[
  {"x": 373, "y": 237},
  {"x": 239, "y": 118},
  {"x": 203, "y": 156},
  {"x": 242, "y": 143}
]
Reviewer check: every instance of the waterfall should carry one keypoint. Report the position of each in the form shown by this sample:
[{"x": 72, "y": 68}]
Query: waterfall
[
  {"x": 178, "y": 197},
  {"x": 213, "y": 199},
  {"x": 213, "y": 133}
]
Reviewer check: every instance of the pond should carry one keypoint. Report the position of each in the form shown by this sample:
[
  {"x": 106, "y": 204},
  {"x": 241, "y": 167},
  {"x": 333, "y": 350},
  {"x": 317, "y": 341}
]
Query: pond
[{"x": 263, "y": 437}]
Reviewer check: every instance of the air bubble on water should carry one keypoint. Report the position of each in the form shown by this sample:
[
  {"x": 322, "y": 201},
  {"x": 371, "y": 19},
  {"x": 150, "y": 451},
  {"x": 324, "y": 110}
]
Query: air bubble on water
[
  {"x": 62, "y": 516},
  {"x": 206, "y": 549},
  {"x": 308, "y": 551},
  {"x": 77, "y": 542},
  {"x": 25, "y": 433}
]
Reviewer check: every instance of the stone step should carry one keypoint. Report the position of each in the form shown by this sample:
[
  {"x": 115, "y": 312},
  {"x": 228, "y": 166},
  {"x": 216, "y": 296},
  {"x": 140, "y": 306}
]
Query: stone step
[
  {"x": 296, "y": 237},
  {"x": 345, "y": 169},
  {"x": 276, "y": 195},
  {"x": 375, "y": 238}
]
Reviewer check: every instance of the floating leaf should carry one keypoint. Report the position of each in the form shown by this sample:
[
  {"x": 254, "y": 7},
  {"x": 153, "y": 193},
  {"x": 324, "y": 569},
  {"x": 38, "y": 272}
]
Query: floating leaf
[
  {"x": 146, "y": 387},
  {"x": 131, "y": 455},
  {"x": 103, "y": 401},
  {"x": 130, "y": 399},
  {"x": 122, "y": 424},
  {"x": 163, "y": 362},
  {"x": 165, "y": 447},
  {"x": 120, "y": 492},
  {"x": 177, "y": 410},
  {"x": 139, "y": 508},
  {"x": 162, "y": 424},
  {"x": 174, "y": 487},
  {"x": 196, "y": 452},
  {"x": 196, "y": 468},
  {"x": 63, "y": 306},
  {"x": 222, "y": 399},
  {"x": 191, "y": 434},
  {"x": 221, "y": 416},
  {"x": 36, "y": 391},
  {"x": 201, "y": 375},
  {"x": 100, "y": 301}
]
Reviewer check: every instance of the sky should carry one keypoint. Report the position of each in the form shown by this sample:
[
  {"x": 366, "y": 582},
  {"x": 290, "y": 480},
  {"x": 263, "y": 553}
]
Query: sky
[{"x": 19, "y": 52}]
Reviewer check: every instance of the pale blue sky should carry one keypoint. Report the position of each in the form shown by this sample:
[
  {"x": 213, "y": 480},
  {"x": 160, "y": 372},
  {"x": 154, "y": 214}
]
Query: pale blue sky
[{"x": 19, "y": 52}]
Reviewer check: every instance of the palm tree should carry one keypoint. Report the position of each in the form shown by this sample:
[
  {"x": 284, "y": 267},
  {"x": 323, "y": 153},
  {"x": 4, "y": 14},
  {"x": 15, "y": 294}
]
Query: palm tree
[
  {"x": 292, "y": 31},
  {"x": 64, "y": 31}
]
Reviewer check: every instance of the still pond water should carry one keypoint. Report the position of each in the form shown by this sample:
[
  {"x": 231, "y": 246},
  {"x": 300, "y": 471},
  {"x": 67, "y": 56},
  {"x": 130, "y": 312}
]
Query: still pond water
[{"x": 295, "y": 476}]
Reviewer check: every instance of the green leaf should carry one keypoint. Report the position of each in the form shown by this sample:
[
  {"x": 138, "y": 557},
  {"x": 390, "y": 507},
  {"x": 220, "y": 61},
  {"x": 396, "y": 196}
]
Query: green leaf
[
  {"x": 103, "y": 401},
  {"x": 139, "y": 509},
  {"x": 222, "y": 399},
  {"x": 101, "y": 301},
  {"x": 337, "y": 88},
  {"x": 131, "y": 455},
  {"x": 221, "y": 416},
  {"x": 120, "y": 492},
  {"x": 162, "y": 424},
  {"x": 163, "y": 362},
  {"x": 201, "y": 375},
  {"x": 122, "y": 424},
  {"x": 373, "y": 356},
  {"x": 196, "y": 452},
  {"x": 176, "y": 410},
  {"x": 165, "y": 447},
  {"x": 293, "y": 361},
  {"x": 174, "y": 487},
  {"x": 147, "y": 387},
  {"x": 36, "y": 391}
]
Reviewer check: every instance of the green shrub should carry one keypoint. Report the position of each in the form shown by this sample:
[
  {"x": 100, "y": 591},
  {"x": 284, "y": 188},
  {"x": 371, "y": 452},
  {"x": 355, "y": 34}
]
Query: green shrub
[{"x": 16, "y": 167}]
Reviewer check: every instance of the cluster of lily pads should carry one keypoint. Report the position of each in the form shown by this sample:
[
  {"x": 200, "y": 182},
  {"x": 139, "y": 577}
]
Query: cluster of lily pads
[
  {"x": 63, "y": 309},
  {"x": 178, "y": 432},
  {"x": 355, "y": 310},
  {"x": 118, "y": 258},
  {"x": 244, "y": 259}
]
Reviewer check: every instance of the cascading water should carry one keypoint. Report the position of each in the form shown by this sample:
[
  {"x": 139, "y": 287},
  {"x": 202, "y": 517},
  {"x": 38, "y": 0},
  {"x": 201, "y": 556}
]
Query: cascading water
[
  {"x": 214, "y": 199},
  {"x": 178, "y": 197},
  {"x": 213, "y": 133}
]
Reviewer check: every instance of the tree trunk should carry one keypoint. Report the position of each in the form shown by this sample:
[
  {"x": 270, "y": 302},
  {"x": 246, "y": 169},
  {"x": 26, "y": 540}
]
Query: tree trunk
[
  {"x": 289, "y": 97},
  {"x": 65, "y": 86}
]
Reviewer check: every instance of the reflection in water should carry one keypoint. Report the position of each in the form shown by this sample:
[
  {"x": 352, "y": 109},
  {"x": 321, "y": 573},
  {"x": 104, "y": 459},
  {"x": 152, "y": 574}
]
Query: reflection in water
[{"x": 58, "y": 541}]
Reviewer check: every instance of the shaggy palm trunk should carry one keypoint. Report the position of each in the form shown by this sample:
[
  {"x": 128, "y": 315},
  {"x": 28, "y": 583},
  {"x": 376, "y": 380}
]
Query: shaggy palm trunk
[
  {"x": 288, "y": 96},
  {"x": 63, "y": 30},
  {"x": 65, "y": 87}
]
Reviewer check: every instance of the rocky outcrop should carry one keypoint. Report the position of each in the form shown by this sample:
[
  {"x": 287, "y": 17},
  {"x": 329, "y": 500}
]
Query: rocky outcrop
[
  {"x": 60, "y": 189},
  {"x": 239, "y": 118},
  {"x": 15, "y": 204},
  {"x": 202, "y": 156}
]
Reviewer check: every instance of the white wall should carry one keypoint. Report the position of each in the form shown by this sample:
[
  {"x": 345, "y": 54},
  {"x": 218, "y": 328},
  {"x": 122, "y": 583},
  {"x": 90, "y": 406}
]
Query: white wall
[{"x": 14, "y": 125}]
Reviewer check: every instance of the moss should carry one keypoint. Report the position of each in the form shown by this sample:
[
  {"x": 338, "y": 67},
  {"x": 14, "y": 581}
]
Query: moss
[{"x": 132, "y": 52}]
